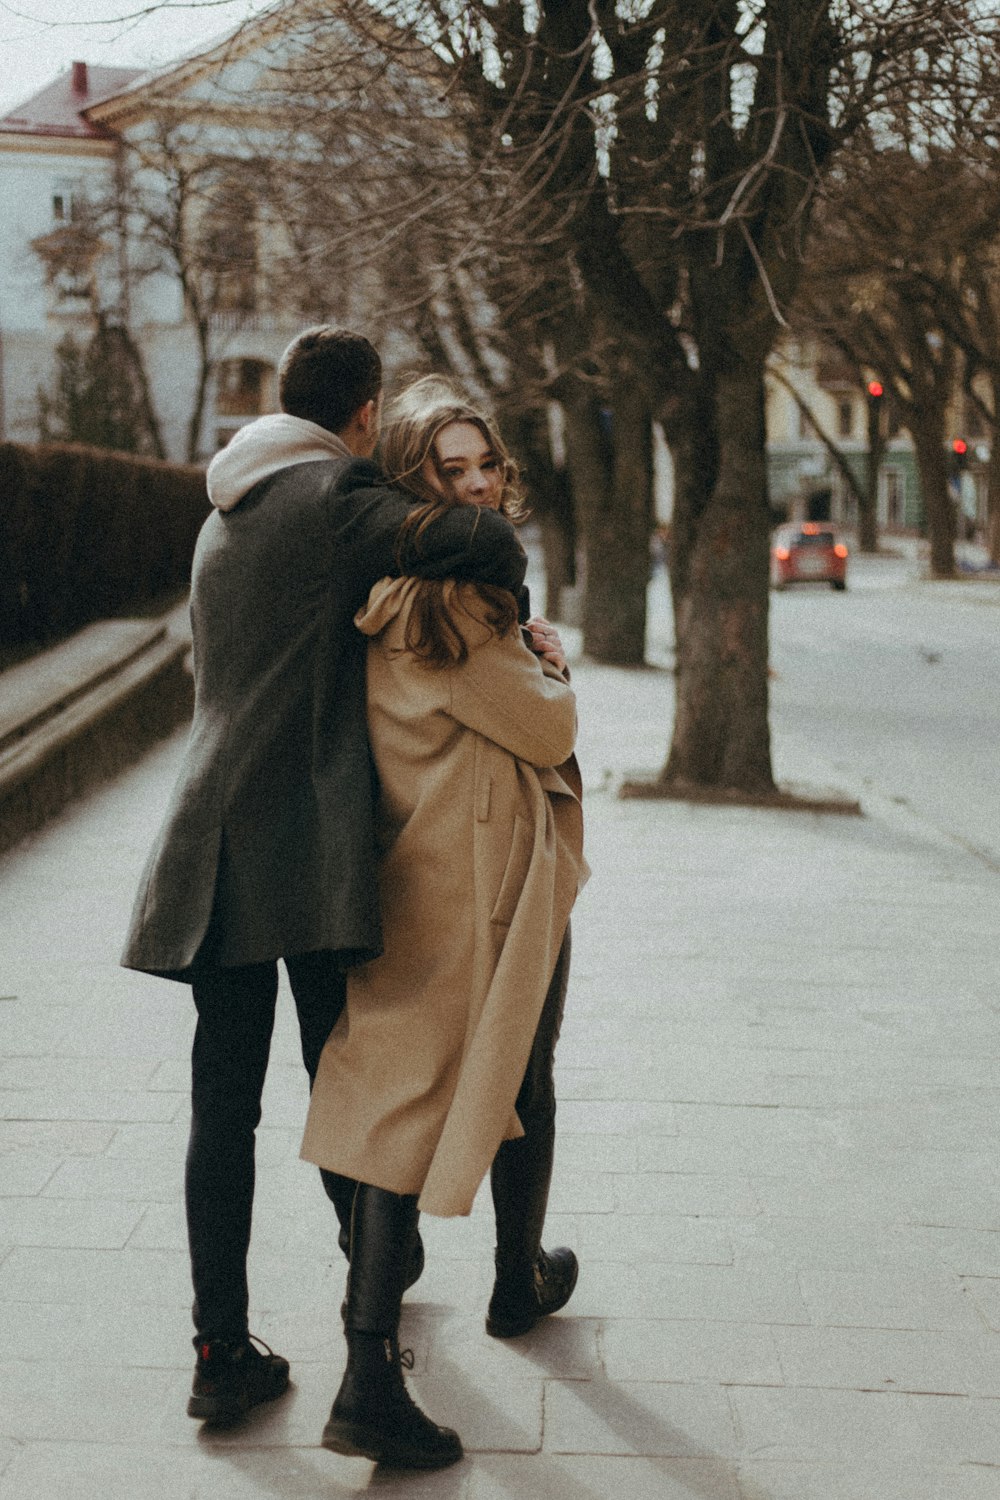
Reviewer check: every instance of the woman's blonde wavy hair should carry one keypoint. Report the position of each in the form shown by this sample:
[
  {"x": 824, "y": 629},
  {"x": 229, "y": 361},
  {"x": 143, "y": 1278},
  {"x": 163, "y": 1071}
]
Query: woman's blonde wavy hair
[{"x": 412, "y": 423}]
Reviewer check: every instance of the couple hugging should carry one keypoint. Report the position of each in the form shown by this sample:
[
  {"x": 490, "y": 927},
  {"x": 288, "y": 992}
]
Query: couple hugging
[{"x": 379, "y": 790}]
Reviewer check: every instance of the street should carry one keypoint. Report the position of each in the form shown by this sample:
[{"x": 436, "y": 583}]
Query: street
[
  {"x": 891, "y": 690},
  {"x": 900, "y": 682}
]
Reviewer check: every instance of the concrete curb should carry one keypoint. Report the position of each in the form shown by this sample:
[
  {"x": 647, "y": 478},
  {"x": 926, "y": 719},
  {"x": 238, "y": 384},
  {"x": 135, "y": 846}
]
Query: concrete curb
[{"x": 79, "y": 713}]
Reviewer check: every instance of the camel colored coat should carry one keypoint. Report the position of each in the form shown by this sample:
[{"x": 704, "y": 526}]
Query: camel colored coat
[{"x": 483, "y": 858}]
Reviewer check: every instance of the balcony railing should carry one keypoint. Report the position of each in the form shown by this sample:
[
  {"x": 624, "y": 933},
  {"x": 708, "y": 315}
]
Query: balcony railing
[{"x": 244, "y": 322}]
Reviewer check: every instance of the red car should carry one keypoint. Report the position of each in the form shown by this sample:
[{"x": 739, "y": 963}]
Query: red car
[{"x": 808, "y": 552}]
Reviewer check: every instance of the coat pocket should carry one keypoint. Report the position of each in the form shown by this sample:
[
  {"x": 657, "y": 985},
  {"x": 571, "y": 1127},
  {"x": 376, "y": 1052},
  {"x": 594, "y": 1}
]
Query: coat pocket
[{"x": 515, "y": 874}]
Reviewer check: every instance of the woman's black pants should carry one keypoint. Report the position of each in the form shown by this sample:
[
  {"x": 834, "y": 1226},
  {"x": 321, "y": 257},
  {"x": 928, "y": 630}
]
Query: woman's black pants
[
  {"x": 228, "y": 1062},
  {"x": 522, "y": 1169}
]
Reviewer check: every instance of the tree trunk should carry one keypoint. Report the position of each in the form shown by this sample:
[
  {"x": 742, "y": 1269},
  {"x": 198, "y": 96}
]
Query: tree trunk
[
  {"x": 611, "y": 468},
  {"x": 550, "y": 500},
  {"x": 201, "y": 392},
  {"x": 868, "y": 497},
  {"x": 993, "y": 486},
  {"x": 559, "y": 554},
  {"x": 721, "y": 737},
  {"x": 939, "y": 507}
]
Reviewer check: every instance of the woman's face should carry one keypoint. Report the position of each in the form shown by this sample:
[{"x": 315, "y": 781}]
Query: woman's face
[{"x": 464, "y": 466}]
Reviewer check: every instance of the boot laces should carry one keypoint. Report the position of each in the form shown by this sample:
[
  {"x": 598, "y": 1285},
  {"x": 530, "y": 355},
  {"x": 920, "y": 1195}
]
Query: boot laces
[
  {"x": 252, "y": 1338},
  {"x": 405, "y": 1356}
]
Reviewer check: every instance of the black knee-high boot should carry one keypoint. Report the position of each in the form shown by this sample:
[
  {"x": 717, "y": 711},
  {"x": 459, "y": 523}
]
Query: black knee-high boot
[
  {"x": 373, "y": 1414},
  {"x": 531, "y": 1282}
]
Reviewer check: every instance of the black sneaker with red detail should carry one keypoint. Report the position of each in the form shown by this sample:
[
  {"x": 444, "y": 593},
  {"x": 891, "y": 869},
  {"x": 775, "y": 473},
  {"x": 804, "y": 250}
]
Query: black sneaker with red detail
[{"x": 231, "y": 1377}]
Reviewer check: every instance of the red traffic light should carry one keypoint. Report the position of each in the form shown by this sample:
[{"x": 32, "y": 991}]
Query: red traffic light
[
  {"x": 875, "y": 388},
  {"x": 959, "y": 446}
]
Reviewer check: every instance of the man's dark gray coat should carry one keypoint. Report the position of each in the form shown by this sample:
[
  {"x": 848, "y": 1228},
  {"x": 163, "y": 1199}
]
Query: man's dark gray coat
[{"x": 270, "y": 830}]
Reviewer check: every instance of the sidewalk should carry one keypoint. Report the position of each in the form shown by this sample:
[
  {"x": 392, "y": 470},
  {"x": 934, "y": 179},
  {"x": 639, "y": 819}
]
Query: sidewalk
[{"x": 777, "y": 1159}]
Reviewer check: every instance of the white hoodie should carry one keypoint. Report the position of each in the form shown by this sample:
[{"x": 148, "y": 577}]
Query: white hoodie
[{"x": 261, "y": 449}]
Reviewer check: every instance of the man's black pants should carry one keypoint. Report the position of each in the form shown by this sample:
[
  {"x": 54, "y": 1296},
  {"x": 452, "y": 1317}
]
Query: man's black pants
[{"x": 228, "y": 1062}]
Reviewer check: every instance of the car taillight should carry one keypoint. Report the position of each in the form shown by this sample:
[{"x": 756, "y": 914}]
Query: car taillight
[
  {"x": 782, "y": 554},
  {"x": 840, "y": 550}
]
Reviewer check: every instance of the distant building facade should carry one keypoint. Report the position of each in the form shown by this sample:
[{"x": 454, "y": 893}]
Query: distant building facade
[
  {"x": 808, "y": 389},
  {"x": 208, "y": 369}
]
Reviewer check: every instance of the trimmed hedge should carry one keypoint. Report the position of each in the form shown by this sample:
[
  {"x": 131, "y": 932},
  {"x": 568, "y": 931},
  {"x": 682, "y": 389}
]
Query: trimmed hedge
[{"x": 87, "y": 534}]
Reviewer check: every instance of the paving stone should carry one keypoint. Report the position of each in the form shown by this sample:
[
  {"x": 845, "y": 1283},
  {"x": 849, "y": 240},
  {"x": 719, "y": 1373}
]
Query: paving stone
[
  {"x": 871, "y": 1480},
  {"x": 54, "y": 1138},
  {"x": 173, "y": 1075},
  {"x": 97, "y": 1104},
  {"x": 966, "y": 1364},
  {"x": 687, "y": 1193},
  {"x": 617, "y": 1117},
  {"x": 642, "y": 1419},
  {"x": 984, "y": 1291},
  {"x": 164, "y": 1141},
  {"x": 100, "y": 1225},
  {"x": 583, "y": 1192},
  {"x": 815, "y": 1244},
  {"x": 864, "y": 1299},
  {"x": 558, "y": 1476},
  {"x": 718, "y": 1293},
  {"x": 77, "y": 1075},
  {"x": 563, "y": 1346},
  {"x": 82, "y": 1402},
  {"x": 149, "y": 1180},
  {"x": 827, "y": 1424},
  {"x": 99, "y": 1278},
  {"x": 729, "y": 1353},
  {"x": 22, "y": 1174},
  {"x": 742, "y": 1159},
  {"x": 207, "y": 1470},
  {"x": 594, "y": 1152},
  {"x": 138, "y": 1335},
  {"x": 648, "y": 1238},
  {"x": 492, "y": 1413},
  {"x": 874, "y": 1201},
  {"x": 969, "y": 1252}
]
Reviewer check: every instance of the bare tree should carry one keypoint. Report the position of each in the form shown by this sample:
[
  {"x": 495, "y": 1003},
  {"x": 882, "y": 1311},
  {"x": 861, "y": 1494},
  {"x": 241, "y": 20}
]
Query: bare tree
[
  {"x": 665, "y": 155},
  {"x": 100, "y": 392},
  {"x": 900, "y": 281},
  {"x": 673, "y": 151}
]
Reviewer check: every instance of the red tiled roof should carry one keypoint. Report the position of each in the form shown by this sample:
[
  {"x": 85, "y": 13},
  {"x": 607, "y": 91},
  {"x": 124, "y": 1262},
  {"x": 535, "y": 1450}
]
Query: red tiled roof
[{"x": 56, "y": 109}]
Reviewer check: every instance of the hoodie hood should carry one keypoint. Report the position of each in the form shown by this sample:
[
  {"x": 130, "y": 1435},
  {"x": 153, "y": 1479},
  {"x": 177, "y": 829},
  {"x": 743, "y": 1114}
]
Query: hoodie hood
[
  {"x": 263, "y": 447},
  {"x": 388, "y": 598}
]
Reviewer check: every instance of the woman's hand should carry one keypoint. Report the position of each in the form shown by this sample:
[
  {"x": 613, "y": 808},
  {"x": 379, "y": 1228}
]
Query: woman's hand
[{"x": 545, "y": 641}]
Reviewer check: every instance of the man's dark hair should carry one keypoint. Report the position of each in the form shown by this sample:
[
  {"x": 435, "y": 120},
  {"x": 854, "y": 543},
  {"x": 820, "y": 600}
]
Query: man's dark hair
[{"x": 326, "y": 374}]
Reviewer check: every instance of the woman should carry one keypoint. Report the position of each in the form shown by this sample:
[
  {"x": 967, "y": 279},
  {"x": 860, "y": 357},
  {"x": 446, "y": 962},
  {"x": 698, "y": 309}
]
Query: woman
[{"x": 440, "y": 1068}]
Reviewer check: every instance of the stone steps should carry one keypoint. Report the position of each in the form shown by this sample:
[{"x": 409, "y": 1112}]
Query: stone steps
[{"x": 80, "y": 711}]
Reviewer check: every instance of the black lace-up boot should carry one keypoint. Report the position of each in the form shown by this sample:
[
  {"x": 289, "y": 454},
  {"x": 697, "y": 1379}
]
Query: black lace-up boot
[{"x": 373, "y": 1414}]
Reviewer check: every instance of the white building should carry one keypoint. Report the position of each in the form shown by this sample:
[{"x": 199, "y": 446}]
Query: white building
[{"x": 61, "y": 153}]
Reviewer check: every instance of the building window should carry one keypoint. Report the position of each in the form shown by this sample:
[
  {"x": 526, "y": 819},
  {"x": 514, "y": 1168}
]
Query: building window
[
  {"x": 845, "y": 418},
  {"x": 67, "y": 199},
  {"x": 241, "y": 387},
  {"x": 228, "y": 249}
]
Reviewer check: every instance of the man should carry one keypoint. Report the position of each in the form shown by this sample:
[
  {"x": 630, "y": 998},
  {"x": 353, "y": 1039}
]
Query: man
[{"x": 268, "y": 847}]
